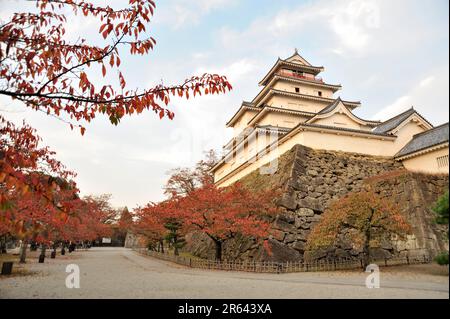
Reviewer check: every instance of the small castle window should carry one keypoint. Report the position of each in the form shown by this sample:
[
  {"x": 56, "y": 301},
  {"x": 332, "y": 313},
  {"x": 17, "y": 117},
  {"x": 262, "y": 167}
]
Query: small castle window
[
  {"x": 297, "y": 90},
  {"x": 319, "y": 93},
  {"x": 442, "y": 161}
]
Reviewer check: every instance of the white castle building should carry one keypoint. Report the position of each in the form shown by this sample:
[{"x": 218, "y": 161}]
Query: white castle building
[{"x": 295, "y": 106}]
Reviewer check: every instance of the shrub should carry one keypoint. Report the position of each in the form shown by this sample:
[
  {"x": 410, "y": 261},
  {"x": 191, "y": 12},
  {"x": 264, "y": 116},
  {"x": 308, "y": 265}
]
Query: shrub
[{"x": 442, "y": 259}]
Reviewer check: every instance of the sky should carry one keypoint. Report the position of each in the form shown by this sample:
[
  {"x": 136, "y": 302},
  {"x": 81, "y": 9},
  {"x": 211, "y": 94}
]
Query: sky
[{"x": 390, "y": 55}]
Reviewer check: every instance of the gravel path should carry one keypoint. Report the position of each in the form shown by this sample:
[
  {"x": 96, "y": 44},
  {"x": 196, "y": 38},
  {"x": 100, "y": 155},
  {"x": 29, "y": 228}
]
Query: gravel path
[{"x": 122, "y": 273}]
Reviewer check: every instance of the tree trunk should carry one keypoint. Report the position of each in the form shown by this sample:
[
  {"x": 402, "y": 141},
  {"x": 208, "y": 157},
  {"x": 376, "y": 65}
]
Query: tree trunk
[
  {"x": 367, "y": 238},
  {"x": 161, "y": 245},
  {"x": 23, "y": 251},
  {"x": 175, "y": 245},
  {"x": 3, "y": 245},
  {"x": 218, "y": 244},
  {"x": 42, "y": 254},
  {"x": 366, "y": 253}
]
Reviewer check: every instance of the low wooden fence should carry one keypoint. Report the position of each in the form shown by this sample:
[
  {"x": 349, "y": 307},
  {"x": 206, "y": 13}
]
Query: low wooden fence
[{"x": 281, "y": 267}]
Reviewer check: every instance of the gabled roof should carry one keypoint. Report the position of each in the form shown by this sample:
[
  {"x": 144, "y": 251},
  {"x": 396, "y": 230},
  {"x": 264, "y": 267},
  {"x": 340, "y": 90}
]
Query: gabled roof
[
  {"x": 433, "y": 137},
  {"x": 297, "y": 56},
  {"x": 245, "y": 106},
  {"x": 243, "y": 137},
  {"x": 392, "y": 123},
  {"x": 305, "y": 65},
  {"x": 332, "y": 107}
]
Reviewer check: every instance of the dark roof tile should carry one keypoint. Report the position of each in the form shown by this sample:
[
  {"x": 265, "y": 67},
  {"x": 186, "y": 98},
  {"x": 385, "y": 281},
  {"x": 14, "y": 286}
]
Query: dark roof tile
[
  {"x": 395, "y": 121},
  {"x": 421, "y": 141}
]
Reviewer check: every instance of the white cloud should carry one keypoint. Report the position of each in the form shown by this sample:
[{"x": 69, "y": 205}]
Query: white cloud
[
  {"x": 430, "y": 97},
  {"x": 182, "y": 13},
  {"x": 349, "y": 23},
  {"x": 353, "y": 22},
  {"x": 427, "y": 81},
  {"x": 399, "y": 105},
  {"x": 235, "y": 71}
]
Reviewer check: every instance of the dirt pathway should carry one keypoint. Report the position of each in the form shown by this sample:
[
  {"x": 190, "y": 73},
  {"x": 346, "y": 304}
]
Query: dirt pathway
[{"x": 122, "y": 273}]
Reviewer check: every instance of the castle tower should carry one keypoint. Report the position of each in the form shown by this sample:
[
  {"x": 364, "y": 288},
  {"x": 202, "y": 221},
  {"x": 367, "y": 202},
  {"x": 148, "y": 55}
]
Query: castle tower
[{"x": 295, "y": 105}]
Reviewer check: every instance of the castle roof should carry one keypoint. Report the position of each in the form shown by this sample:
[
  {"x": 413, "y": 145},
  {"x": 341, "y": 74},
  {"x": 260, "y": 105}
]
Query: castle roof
[
  {"x": 395, "y": 121},
  {"x": 266, "y": 108},
  {"x": 302, "y": 80},
  {"x": 330, "y": 108},
  {"x": 271, "y": 91},
  {"x": 433, "y": 137},
  {"x": 344, "y": 129},
  {"x": 295, "y": 61},
  {"x": 245, "y": 106}
]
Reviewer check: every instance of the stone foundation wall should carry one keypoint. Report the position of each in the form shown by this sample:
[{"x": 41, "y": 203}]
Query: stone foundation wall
[
  {"x": 311, "y": 180},
  {"x": 135, "y": 241}
]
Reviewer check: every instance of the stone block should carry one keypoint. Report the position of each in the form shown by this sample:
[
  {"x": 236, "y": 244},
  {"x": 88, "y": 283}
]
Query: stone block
[
  {"x": 277, "y": 234},
  {"x": 288, "y": 201},
  {"x": 312, "y": 172},
  {"x": 305, "y": 212},
  {"x": 300, "y": 246},
  {"x": 289, "y": 238},
  {"x": 282, "y": 253}
]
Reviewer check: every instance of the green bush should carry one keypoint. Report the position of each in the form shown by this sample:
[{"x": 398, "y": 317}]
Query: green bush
[{"x": 442, "y": 259}]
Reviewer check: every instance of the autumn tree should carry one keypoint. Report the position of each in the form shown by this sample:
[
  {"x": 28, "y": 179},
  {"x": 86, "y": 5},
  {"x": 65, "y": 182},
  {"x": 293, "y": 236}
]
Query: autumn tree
[
  {"x": 35, "y": 216},
  {"x": 46, "y": 71},
  {"x": 150, "y": 221},
  {"x": 122, "y": 225},
  {"x": 222, "y": 213},
  {"x": 184, "y": 180},
  {"x": 26, "y": 166},
  {"x": 367, "y": 216},
  {"x": 160, "y": 221},
  {"x": 93, "y": 214},
  {"x": 125, "y": 218}
]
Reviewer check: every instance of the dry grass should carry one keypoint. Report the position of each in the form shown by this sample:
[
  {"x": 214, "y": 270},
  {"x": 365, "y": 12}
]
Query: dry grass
[
  {"x": 8, "y": 257},
  {"x": 18, "y": 269},
  {"x": 184, "y": 254},
  {"x": 425, "y": 269}
]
